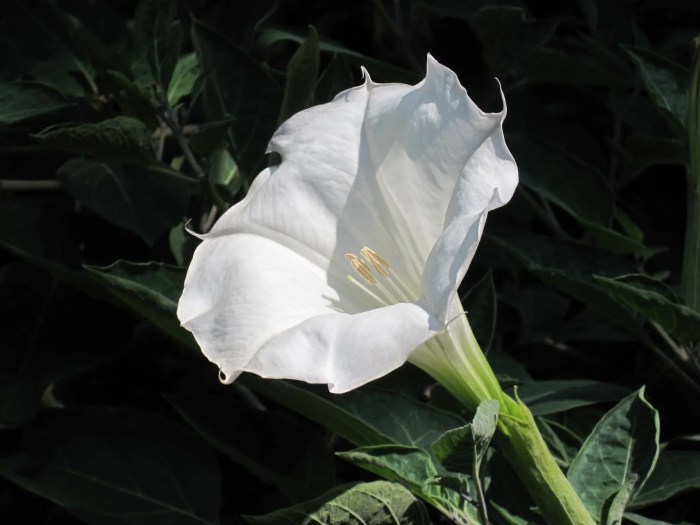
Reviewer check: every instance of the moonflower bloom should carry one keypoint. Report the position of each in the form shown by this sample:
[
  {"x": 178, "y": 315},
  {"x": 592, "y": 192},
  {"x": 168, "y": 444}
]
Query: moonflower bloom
[{"x": 343, "y": 261}]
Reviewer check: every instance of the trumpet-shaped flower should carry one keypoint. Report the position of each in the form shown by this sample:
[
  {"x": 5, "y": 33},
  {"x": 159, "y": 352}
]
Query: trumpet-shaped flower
[{"x": 343, "y": 261}]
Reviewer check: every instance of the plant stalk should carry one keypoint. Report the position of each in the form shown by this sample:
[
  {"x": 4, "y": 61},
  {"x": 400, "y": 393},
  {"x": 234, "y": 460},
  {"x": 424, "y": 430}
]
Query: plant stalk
[
  {"x": 519, "y": 439},
  {"x": 457, "y": 362},
  {"x": 691, "y": 255}
]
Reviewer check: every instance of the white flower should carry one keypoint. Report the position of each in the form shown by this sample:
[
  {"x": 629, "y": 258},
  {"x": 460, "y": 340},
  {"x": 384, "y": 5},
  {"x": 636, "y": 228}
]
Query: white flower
[{"x": 343, "y": 261}]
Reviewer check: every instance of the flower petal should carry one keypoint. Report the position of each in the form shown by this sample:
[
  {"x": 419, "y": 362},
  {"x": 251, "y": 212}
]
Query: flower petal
[
  {"x": 420, "y": 140},
  {"x": 242, "y": 289},
  {"x": 345, "y": 351},
  {"x": 487, "y": 182}
]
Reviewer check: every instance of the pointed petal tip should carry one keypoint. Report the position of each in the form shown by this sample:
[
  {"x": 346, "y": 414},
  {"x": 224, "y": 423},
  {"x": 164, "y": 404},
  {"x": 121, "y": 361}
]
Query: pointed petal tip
[
  {"x": 369, "y": 83},
  {"x": 200, "y": 236}
]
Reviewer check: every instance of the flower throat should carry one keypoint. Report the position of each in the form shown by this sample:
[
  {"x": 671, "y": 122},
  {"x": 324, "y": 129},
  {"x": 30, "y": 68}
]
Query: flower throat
[{"x": 377, "y": 275}]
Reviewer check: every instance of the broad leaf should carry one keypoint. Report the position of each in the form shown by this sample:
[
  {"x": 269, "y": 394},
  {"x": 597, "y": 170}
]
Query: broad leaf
[
  {"x": 364, "y": 417},
  {"x": 414, "y": 468},
  {"x": 318, "y": 409},
  {"x": 273, "y": 447},
  {"x": 666, "y": 82},
  {"x": 579, "y": 189},
  {"x": 408, "y": 465},
  {"x": 380, "y": 71},
  {"x": 570, "y": 267},
  {"x": 185, "y": 76},
  {"x": 480, "y": 305},
  {"x": 119, "y": 138},
  {"x": 141, "y": 200},
  {"x": 335, "y": 78},
  {"x": 133, "y": 101},
  {"x": 676, "y": 471},
  {"x": 150, "y": 290},
  {"x": 238, "y": 88},
  {"x": 302, "y": 72},
  {"x": 463, "y": 449},
  {"x": 405, "y": 421},
  {"x": 224, "y": 176},
  {"x": 117, "y": 466},
  {"x": 551, "y": 397},
  {"x": 160, "y": 36},
  {"x": 375, "y": 503},
  {"x": 641, "y": 520},
  {"x": 619, "y": 454},
  {"x": 653, "y": 300},
  {"x": 40, "y": 234},
  {"x": 20, "y": 101}
]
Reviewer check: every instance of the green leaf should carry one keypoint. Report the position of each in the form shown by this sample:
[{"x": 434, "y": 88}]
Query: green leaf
[
  {"x": 49, "y": 335},
  {"x": 579, "y": 189},
  {"x": 224, "y": 176},
  {"x": 182, "y": 245},
  {"x": 117, "y": 466},
  {"x": 238, "y": 88},
  {"x": 41, "y": 234},
  {"x": 335, "y": 78},
  {"x": 656, "y": 302},
  {"x": 273, "y": 447},
  {"x": 666, "y": 82},
  {"x": 302, "y": 72},
  {"x": 614, "y": 508},
  {"x": 414, "y": 468},
  {"x": 648, "y": 150},
  {"x": 47, "y": 39},
  {"x": 211, "y": 137},
  {"x": 408, "y": 465},
  {"x": 403, "y": 420},
  {"x": 374, "y": 503},
  {"x": 381, "y": 71},
  {"x": 676, "y": 472},
  {"x": 131, "y": 99},
  {"x": 622, "y": 449},
  {"x": 562, "y": 442},
  {"x": 463, "y": 449},
  {"x": 569, "y": 267},
  {"x": 150, "y": 290},
  {"x": 184, "y": 78},
  {"x": 508, "y": 36},
  {"x": 118, "y": 138},
  {"x": 138, "y": 199},
  {"x": 641, "y": 520},
  {"x": 160, "y": 36},
  {"x": 20, "y": 101},
  {"x": 318, "y": 409},
  {"x": 551, "y": 397},
  {"x": 480, "y": 305},
  {"x": 364, "y": 417}
]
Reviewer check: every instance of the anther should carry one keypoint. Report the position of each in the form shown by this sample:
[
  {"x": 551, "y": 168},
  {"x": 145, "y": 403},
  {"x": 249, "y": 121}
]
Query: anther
[
  {"x": 361, "y": 268},
  {"x": 378, "y": 262}
]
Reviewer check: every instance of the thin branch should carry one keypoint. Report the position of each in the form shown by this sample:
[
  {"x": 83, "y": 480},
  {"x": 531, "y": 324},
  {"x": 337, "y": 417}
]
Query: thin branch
[
  {"x": 680, "y": 352},
  {"x": 30, "y": 185}
]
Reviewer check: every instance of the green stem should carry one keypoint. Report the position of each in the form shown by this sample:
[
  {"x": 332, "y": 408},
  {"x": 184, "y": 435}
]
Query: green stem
[
  {"x": 457, "y": 362},
  {"x": 519, "y": 439},
  {"x": 691, "y": 255}
]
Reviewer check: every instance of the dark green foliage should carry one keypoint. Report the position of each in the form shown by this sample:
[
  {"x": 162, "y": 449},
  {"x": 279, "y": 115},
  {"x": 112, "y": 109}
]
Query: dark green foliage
[{"x": 126, "y": 125}]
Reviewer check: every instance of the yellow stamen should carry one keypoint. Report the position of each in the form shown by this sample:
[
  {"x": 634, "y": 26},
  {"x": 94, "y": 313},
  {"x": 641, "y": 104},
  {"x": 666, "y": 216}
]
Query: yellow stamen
[
  {"x": 377, "y": 261},
  {"x": 361, "y": 268},
  {"x": 367, "y": 290}
]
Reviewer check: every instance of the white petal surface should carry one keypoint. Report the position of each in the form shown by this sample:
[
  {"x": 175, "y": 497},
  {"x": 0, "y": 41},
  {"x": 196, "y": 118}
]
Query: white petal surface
[
  {"x": 247, "y": 288},
  {"x": 345, "y": 351}
]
